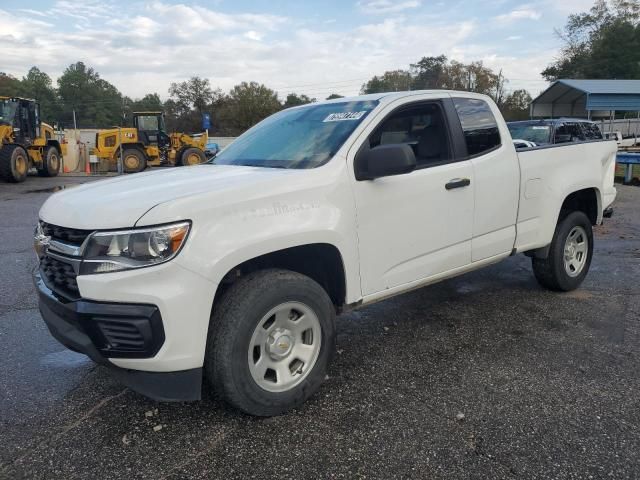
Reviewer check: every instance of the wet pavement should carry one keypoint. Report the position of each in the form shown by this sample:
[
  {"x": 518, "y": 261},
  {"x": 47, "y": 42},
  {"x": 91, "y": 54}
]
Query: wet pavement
[{"x": 483, "y": 376}]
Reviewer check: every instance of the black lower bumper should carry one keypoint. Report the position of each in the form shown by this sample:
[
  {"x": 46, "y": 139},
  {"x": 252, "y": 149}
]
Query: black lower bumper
[{"x": 104, "y": 330}]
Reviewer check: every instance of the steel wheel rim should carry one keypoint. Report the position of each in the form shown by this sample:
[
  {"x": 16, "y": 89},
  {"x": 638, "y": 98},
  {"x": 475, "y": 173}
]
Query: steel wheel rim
[
  {"x": 284, "y": 347},
  {"x": 54, "y": 162},
  {"x": 131, "y": 161},
  {"x": 21, "y": 164},
  {"x": 193, "y": 159},
  {"x": 576, "y": 250}
]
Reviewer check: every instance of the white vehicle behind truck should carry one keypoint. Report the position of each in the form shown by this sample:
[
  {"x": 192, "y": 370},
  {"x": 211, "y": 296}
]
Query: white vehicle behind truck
[{"x": 234, "y": 271}]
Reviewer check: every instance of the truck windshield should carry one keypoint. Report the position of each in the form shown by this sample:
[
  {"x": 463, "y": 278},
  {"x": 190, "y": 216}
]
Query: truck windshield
[
  {"x": 305, "y": 137},
  {"x": 536, "y": 132},
  {"x": 7, "y": 111}
]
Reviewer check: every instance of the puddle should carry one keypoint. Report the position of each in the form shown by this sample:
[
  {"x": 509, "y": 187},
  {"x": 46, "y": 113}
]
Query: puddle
[
  {"x": 50, "y": 189},
  {"x": 65, "y": 359}
]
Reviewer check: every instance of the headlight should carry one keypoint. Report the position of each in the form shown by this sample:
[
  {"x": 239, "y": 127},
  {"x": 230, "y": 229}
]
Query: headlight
[{"x": 128, "y": 249}]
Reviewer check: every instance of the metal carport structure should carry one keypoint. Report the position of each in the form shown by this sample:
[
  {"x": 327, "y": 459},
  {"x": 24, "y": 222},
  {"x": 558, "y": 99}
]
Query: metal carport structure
[{"x": 587, "y": 98}]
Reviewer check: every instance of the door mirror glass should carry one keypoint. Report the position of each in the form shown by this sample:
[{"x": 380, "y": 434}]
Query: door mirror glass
[{"x": 385, "y": 161}]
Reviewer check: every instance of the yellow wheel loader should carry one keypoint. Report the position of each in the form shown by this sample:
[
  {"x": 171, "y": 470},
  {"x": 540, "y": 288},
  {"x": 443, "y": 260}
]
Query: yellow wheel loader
[
  {"x": 26, "y": 142},
  {"x": 148, "y": 144}
]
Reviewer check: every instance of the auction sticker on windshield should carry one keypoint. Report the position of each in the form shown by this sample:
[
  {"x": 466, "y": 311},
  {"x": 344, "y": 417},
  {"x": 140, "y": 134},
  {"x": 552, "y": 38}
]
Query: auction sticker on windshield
[{"x": 342, "y": 116}]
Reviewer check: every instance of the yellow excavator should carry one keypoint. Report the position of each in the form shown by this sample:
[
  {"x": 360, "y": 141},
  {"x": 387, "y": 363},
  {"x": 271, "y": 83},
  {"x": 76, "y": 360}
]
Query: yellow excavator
[
  {"x": 25, "y": 142},
  {"x": 148, "y": 144}
]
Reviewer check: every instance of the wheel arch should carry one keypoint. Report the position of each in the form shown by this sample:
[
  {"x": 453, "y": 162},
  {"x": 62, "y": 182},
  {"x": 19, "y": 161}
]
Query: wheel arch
[
  {"x": 321, "y": 262},
  {"x": 587, "y": 200},
  {"x": 126, "y": 146},
  {"x": 56, "y": 144}
]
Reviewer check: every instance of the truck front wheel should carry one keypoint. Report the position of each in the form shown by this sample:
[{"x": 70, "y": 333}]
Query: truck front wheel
[
  {"x": 569, "y": 256},
  {"x": 14, "y": 163},
  {"x": 133, "y": 160},
  {"x": 191, "y": 156},
  {"x": 271, "y": 338},
  {"x": 50, "y": 163}
]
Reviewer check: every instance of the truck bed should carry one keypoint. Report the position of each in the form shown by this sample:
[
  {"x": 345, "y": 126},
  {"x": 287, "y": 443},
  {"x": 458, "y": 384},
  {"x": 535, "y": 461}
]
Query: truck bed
[{"x": 549, "y": 173}]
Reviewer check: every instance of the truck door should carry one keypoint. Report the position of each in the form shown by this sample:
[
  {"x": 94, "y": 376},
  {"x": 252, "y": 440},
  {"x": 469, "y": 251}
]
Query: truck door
[
  {"x": 419, "y": 224},
  {"x": 496, "y": 175}
]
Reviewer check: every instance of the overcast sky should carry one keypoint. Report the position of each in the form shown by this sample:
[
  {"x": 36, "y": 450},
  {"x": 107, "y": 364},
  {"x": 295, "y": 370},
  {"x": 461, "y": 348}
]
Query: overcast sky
[{"x": 315, "y": 48}]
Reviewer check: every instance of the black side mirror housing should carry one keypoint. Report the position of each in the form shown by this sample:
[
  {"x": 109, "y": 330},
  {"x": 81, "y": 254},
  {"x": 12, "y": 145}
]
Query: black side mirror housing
[{"x": 384, "y": 161}]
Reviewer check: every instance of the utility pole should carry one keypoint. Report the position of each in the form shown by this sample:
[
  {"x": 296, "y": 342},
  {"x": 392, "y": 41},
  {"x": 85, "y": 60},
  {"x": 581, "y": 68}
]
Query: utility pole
[
  {"x": 75, "y": 125},
  {"x": 120, "y": 157},
  {"x": 120, "y": 160}
]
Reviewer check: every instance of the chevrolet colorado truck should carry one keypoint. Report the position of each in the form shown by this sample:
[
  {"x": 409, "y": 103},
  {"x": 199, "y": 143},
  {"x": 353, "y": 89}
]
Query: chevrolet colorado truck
[{"x": 233, "y": 272}]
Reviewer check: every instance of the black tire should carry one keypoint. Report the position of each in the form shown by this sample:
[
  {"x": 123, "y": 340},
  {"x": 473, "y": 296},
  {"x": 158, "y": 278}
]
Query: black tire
[
  {"x": 551, "y": 272},
  {"x": 188, "y": 157},
  {"x": 50, "y": 162},
  {"x": 133, "y": 160},
  {"x": 234, "y": 320},
  {"x": 14, "y": 163}
]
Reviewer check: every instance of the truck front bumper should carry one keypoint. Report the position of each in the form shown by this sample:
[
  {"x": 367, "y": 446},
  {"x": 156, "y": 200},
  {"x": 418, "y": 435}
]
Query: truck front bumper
[{"x": 106, "y": 330}]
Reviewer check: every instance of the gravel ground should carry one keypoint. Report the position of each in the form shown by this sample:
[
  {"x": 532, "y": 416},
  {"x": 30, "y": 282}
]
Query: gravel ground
[{"x": 483, "y": 376}]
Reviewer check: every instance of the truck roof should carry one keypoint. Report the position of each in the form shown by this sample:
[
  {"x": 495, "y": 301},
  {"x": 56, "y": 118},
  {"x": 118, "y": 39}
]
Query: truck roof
[
  {"x": 552, "y": 120},
  {"x": 390, "y": 96},
  {"x": 2, "y": 97}
]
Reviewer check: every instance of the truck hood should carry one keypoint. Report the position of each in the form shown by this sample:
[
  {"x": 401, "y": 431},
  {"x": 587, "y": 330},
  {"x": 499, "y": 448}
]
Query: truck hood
[{"x": 121, "y": 201}]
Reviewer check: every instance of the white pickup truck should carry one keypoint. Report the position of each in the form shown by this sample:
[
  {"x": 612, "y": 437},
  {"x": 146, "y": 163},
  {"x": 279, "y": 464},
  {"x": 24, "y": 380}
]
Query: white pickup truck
[{"x": 235, "y": 270}]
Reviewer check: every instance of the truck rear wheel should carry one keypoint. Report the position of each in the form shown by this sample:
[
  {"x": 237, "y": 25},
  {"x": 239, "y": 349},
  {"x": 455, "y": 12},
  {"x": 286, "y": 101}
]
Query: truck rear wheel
[
  {"x": 570, "y": 254},
  {"x": 133, "y": 160},
  {"x": 50, "y": 163},
  {"x": 271, "y": 338},
  {"x": 14, "y": 163},
  {"x": 191, "y": 156}
]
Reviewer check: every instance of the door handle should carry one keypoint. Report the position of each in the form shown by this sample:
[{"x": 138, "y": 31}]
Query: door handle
[{"x": 457, "y": 183}]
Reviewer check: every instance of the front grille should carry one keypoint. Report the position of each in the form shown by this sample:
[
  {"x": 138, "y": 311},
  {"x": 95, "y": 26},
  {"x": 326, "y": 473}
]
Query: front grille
[
  {"x": 63, "y": 234},
  {"x": 59, "y": 277}
]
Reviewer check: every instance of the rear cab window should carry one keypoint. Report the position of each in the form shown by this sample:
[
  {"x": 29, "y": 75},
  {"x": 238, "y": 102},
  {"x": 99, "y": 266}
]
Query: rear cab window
[
  {"x": 479, "y": 125},
  {"x": 591, "y": 131}
]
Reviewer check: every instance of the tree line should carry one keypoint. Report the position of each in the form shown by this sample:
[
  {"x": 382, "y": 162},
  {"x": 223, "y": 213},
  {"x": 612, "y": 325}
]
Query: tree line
[
  {"x": 82, "y": 97},
  {"x": 441, "y": 73},
  {"x": 601, "y": 43}
]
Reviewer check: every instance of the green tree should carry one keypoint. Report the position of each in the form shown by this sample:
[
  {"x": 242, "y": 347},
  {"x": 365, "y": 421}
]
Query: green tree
[
  {"x": 601, "y": 43},
  {"x": 37, "y": 85},
  {"x": 392, "y": 81},
  {"x": 96, "y": 102},
  {"x": 149, "y": 103},
  {"x": 247, "y": 104},
  {"x": 334, "y": 96},
  {"x": 438, "y": 72},
  {"x": 516, "y": 105},
  {"x": 194, "y": 93},
  {"x": 294, "y": 100},
  {"x": 429, "y": 73},
  {"x": 9, "y": 85}
]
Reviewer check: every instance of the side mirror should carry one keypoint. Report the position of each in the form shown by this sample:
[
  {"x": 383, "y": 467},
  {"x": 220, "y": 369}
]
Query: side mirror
[{"x": 385, "y": 161}]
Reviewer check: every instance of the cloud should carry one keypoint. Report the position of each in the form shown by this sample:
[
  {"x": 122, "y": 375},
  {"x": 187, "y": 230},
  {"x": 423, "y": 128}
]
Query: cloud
[
  {"x": 386, "y": 6},
  {"x": 151, "y": 45},
  {"x": 253, "y": 35},
  {"x": 524, "y": 13}
]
